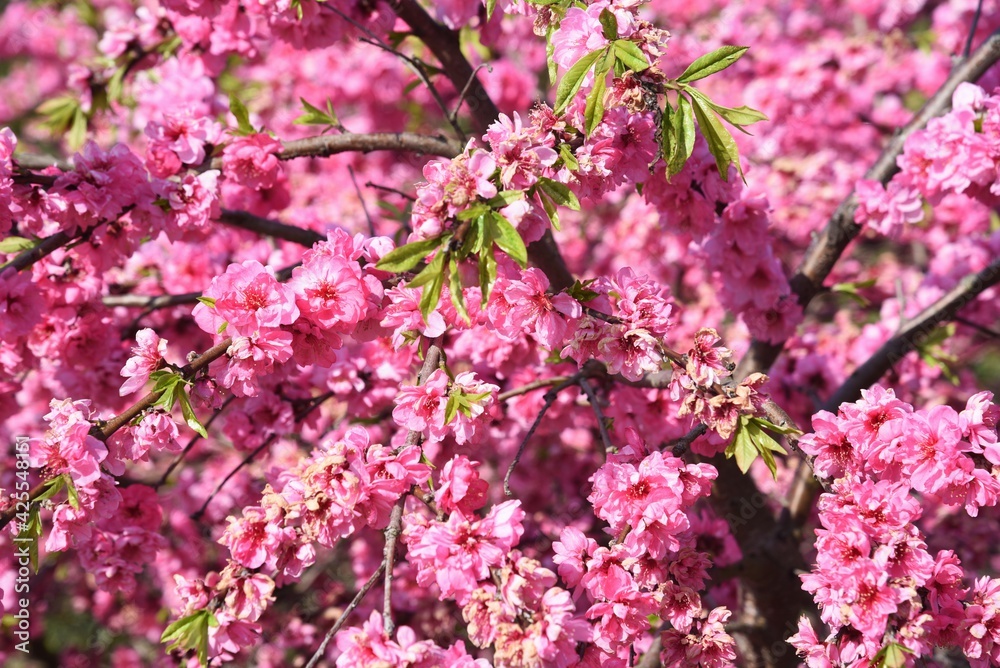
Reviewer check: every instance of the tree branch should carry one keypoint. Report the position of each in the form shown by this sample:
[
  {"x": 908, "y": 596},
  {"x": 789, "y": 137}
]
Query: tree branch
[
  {"x": 909, "y": 338},
  {"x": 827, "y": 247},
  {"x": 347, "y": 613},
  {"x": 271, "y": 228}
]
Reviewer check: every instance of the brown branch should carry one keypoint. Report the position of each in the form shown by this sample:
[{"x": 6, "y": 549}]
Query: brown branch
[
  {"x": 550, "y": 398},
  {"x": 444, "y": 44},
  {"x": 150, "y": 302},
  {"x": 148, "y": 401},
  {"x": 827, "y": 247},
  {"x": 908, "y": 339},
  {"x": 389, "y": 556},
  {"x": 347, "y": 612},
  {"x": 45, "y": 247},
  {"x": 314, "y": 403},
  {"x": 271, "y": 228}
]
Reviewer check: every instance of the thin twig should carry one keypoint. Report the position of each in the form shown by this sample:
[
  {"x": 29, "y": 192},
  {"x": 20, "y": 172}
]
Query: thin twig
[
  {"x": 364, "y": 207},
  {"x": 389, "y": 556},
  {"x": 150, "y": 302},
  {"x": 532, "y": 386},
  {"x": 194, "y": 439},
  {"x": 550, "y": 398},
  {"x": 414, "y": 64},
  {"x": 680, "y": 445},
  {"x": 972, "y": 30},
  {"x": 271, "y": 228},
  {"x": 465, "y": 91},
  {"x": 395, "y": 191},
  {"x": 347, "y": 612},
  {"x": 599, "y": 414},
  {"x": 302, "y": 413}
]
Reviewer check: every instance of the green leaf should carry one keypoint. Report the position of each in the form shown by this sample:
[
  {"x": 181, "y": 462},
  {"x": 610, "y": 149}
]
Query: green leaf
[
  {"x": 115, "y": 84},
  {"x": 630, "y": 55},
  {"x": 432, "y": 292},
  {"x": 509, "y": 239},
  {"x": 315, "y": 116},
  {"x": 487, "y": 274},
  {"x": 78, "y": 130},
  {"x": 742, "y": 446},
  {"x": 491, "y": 5},
  {"x": 506, "y": 198},
  {"x": 52, "y": 487},
  {"x": 609, "y": 22},
  {"x": 451, "y": 409},
  {"x": 933, "y": 354},
  {"x": 407, "y": 257},
  {"x": 239, "y": 110},
  {"x": 682, "y": 130},
  {"x": 15, "y": 245},
  {"x": 455, "y": 288},
  {"x": 720, "y": 142},
  {"x": 207, "y": 301},
  {"x": 713, "y": 62},
  {"x": 560, "y": 193},
  {"x": 750, "y": 440},
  {"x": 770, "y": 426},
  {"x": 566, "y": 153},
  {"x": 892, "y": 655},
  {"x": 71, "y": 494},
  {"x": 191, "y": 632},
  {"x": 190, "y": 417},
  {"x": 435, "y": 267},
  {"x": 474, "y": 211},
  {"x": 573, "y": 79},
  {"x": 851, "y": 290},
  {"x": 738, "y": 116},
  {"x": 30, "y": 532},
  {"x": 550, "y": 209},
  {"x": 594, "y": 110}
]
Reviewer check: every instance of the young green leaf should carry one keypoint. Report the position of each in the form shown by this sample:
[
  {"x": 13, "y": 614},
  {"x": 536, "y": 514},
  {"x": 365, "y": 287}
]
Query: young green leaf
[
  {"x": 594, "y": 109},
  {"x": 239, "y": 110},
  {"x": 509, "y": 239},
  {"x": 189, "y": 415},
  {"x": 487, "y": 272},
  {"x": 737, "y": 117},
  {"x": 742, "y": 446},
  {"x": 455, "y": 288},
  {"x": 720, "y": 142},
  {"x": 407, "y": 257},
  {"x": 609, "y": 24},
  {"x": 491, "y": 6},
  {"x": 207, "y": 301},
  {"x": 15, "y": 245},
  {"x": 316, "y": 116},
  {"x": 427, "y": 274},
  {"x": 191, "y": 632},
  {"x": 682, "y": 122},
  {"x": 566, "y": 153},
  {"x": 432, "y": 293},
  {"x": 630, "y": 55},
  {"x": 711, "y": 63},
  {"x": 573, "y": 79},
  {"x": 892, "y": 655},
  {"x": 560, "y": 193},
  {"x": 505, "y": 198}
]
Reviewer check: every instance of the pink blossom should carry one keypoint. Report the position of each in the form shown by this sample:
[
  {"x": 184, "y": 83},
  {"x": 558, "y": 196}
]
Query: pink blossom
[
  {"x": 887, "y": 211},
  {"x": 252, "y": 160},
  {"x": 460, "y": 488},
  {"x": 421, "y": 408},
  {"x": 248, "y": 298},
  {"x": 331, "y": 292},
  {"x": 146, "y": 358},
  {"x": 20, "y": 304},
  {"x": 458, "y": 553}
]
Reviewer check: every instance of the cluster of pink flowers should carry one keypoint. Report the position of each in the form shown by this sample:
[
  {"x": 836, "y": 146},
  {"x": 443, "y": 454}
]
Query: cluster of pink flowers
[
  {"x": 327, "y": 296},
  {"x": 957, "y": 154},
  {"x": 439, "y": 407},
  {"x": 875, "y": 580}
]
